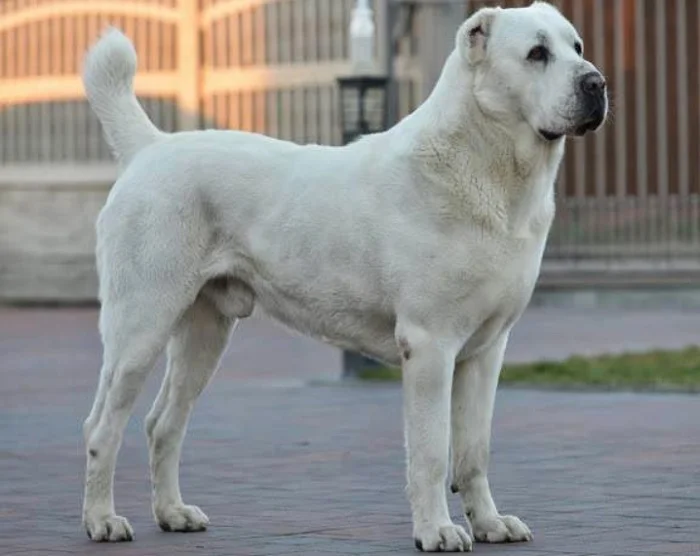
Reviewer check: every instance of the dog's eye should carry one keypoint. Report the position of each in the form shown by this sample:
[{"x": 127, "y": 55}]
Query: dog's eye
[
  {"x": 538, "y": 54},
  {"x": 578, "y": 48}
]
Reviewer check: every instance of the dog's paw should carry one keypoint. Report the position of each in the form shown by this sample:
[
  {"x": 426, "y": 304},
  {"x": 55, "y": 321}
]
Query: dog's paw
[
  {"x": 445, "y": 538},
  {"x": 183, "y": 519},
  {"x": 501, "y": 528},
  {"x": 110, "y": 528}
]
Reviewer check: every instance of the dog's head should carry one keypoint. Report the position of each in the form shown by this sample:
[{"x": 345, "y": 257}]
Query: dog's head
[{"x": 528, "y": 65}]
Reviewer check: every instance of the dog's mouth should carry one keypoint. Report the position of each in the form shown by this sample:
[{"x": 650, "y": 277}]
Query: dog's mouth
[
  {"x": 550, "y": 135},
  {"x": 593, "y": 120},
  {"x": 591, "y": 125},
  {"x": 580, "y": 130}
]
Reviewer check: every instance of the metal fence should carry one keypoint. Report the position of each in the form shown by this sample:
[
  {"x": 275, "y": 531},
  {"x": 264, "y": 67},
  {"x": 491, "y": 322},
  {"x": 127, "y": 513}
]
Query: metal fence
[
  {"x": 628, "y": 196},
  {"x": 267, "y": 66},
  {"x": 631, "y": 194}
]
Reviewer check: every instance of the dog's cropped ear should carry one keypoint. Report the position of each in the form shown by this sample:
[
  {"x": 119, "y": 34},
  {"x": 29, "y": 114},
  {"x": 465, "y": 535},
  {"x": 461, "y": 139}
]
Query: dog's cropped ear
[{"x": 473, "y": 35}]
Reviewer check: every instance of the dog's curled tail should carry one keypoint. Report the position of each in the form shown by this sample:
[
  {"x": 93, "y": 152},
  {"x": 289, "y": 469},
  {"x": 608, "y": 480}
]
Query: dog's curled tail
[{"x": 108, "y": 75}]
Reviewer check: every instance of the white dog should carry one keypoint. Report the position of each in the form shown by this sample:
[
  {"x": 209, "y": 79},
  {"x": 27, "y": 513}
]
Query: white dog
[{"x": 419, "y": 246}]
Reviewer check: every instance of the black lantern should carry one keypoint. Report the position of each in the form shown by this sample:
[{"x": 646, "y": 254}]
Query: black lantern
[
  {"x": 363, "y": 104},
  {"x": 363, "y": 110}
]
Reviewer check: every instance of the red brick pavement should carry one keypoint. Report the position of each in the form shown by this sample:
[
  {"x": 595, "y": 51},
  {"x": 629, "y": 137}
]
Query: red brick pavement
[{"x": 283, "y": 468}]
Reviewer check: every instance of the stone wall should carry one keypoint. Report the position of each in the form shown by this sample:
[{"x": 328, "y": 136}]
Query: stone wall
[{"x": 47, "y": 232}]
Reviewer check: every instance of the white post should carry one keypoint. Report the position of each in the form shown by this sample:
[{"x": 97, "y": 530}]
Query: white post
[
  {"x": 362, "y": 58},
  {"x": 188, "y": 65},
  {"x": 362, "y": 32}
]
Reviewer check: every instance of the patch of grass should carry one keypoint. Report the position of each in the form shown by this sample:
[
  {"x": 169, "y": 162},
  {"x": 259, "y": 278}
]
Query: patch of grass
[
  {"x": 658, "y": 370},
  {"x": 380, "y": 374}
]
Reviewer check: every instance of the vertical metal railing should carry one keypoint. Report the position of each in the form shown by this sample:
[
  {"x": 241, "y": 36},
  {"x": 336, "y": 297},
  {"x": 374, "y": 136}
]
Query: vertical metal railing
[{"x": 630, "y": 195}]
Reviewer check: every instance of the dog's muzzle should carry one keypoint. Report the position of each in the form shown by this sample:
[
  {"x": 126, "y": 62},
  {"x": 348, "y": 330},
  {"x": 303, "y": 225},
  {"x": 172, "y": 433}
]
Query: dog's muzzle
[{"x": 594, "y": 102}]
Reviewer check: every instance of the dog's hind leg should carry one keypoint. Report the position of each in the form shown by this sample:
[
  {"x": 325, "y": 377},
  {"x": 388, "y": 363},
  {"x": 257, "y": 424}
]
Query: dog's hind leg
[
  {"x": 135, "y": 327},
  {"x": 194, "y": 351}
]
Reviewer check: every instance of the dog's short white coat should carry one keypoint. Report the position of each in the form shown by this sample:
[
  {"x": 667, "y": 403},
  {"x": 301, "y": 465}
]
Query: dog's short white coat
[{"x": 419, "y": 246}]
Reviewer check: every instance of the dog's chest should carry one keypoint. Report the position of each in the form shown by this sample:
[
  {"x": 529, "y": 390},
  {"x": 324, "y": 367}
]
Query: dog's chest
[{"x": 497, "y": 292}]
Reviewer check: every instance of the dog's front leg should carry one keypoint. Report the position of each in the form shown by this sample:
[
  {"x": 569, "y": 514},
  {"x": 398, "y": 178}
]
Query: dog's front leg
[
  {"x": 428, "y": 366},
  {"x": 473, "y": 396}
]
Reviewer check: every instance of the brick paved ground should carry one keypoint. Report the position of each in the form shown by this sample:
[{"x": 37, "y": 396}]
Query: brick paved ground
[{"x": 286, "y": 468}]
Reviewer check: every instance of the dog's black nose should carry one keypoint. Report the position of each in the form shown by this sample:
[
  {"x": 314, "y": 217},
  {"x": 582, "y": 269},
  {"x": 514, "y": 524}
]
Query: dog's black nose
[{"x": 593, "y": 83}]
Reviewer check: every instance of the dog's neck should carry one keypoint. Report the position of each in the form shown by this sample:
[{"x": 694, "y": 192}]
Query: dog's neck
[{"x": 453, "y": 129}]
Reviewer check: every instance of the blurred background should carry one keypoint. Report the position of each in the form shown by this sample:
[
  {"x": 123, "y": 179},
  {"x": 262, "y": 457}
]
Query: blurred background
[
  {"x": 628, "y": 209},
  {"x": 617, "y": 305}
]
